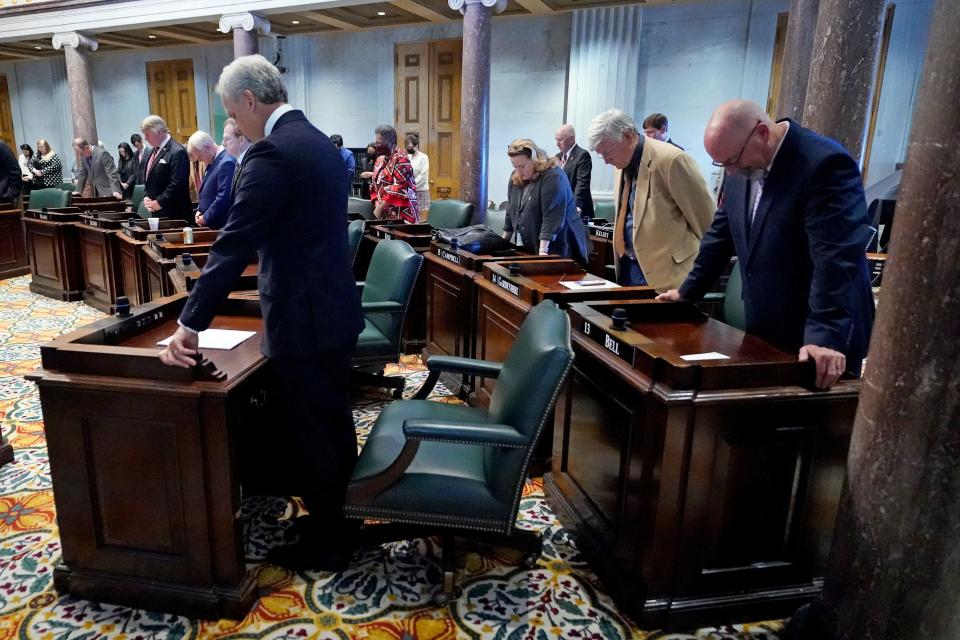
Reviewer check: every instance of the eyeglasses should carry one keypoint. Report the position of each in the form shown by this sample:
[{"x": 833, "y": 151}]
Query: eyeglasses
[{"x": 736, "y": 161}]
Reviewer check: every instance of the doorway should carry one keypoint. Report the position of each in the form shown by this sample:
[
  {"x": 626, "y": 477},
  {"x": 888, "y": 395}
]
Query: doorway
[{"x": 173, "y": 97}]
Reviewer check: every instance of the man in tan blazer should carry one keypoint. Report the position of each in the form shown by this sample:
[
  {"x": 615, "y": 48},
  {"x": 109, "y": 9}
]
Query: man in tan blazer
[{"x": 663, "y": 204}]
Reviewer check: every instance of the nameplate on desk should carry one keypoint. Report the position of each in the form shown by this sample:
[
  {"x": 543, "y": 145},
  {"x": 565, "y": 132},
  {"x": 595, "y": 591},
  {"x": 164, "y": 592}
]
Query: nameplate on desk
[
  {"x": 44, "y": 216},
  {"x": 603, "y": 234},
  {"x": 128, "y": 232},
  {"x": 506, "y": 285},
  {"x": 448, "y": 256},
  {"x": 93, "y": 223},
  {"x": 617, "y": 347}
]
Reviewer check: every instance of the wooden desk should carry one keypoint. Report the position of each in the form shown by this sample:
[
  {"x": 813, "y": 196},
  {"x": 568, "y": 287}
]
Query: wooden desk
[
  {"x": 53, "y": 247},
  {"x": 701, "y": 492},
  {"x": 143, "y": 462},
  {"x": 13, "y": 250},
  {"x": 160, "y": 251},
  {"x": 504, "y": 299},
  {"x": 452, "y": 301},
  {"x": 100, "y": 257},
  {"x": 183, "y": 277},
  {"x": 600, "y": 232}
]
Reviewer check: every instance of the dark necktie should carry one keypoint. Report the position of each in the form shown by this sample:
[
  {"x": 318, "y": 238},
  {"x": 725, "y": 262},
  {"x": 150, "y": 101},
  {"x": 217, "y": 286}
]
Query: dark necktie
[{"x": 236, "y": 177}]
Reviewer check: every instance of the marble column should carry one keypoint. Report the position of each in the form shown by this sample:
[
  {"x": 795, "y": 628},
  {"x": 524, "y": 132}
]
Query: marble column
[
  {"x": 797, "y": 51},
  {"x": 79, "y": 88},
  {"x": 894, "y": 568},
  {"x": 841, "y": 70},
  {"x": 475, "y": 101},
  {"x": 246, "y": 28}
]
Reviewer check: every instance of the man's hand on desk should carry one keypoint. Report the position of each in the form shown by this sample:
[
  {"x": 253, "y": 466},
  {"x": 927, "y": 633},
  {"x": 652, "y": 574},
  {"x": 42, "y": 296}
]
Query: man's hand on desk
[
  {"x": 830, "y": 363},
  {"x": 670, "y": 296},
  {"x": 151, "y": 205},
  {"x": 183, "y": 346},
  {"x": 198, "y": 218}
]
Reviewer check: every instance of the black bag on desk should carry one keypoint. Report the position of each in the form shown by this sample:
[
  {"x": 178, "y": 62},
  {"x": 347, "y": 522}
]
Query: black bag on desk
[{"x": 475, "y": 239}]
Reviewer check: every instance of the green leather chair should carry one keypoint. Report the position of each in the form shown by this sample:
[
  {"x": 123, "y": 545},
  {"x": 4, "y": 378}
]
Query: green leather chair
[
  {"x": 49, "y": 198},
  {"x": 431, "y": 468},
  {"x": 142, "y": 211},
  {"x": 137, "y": 197},
  {"x": 450, "y": 214},
  {"x": 605, "y": 209},
  {"x": 731, "y": 300},
  {"x": 392, "y": 273},
  {"x": 67, "y": 186},
  {"x": 354, "y": 235},
  {"x": 495, "y": 220},
  {"x": 359, "y": 209}
]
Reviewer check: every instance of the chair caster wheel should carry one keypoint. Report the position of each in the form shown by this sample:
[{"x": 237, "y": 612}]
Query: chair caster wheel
[
  {"x": 398, "y": 393},
  {"x": 441, "y": 599},
  {"x": 530, "y": 560}
]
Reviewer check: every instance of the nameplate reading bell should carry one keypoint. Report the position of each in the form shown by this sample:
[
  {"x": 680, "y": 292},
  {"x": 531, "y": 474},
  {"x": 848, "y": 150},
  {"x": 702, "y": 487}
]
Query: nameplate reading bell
[
  {"x": 505, "y": 284},
  {"x": 618, "y": 348},
  {"x": 448, "y": 256}
]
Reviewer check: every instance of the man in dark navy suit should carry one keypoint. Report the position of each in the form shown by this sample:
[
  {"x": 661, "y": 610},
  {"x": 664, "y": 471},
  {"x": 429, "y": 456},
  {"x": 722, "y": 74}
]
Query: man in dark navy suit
[
  {"x": 290, "y": 203},
  {"x": 166, "y": 191},
  {"x": 577, "y": 165},
  {"x": 214, "y": 196},
  {"x": 794, "y": 214}
]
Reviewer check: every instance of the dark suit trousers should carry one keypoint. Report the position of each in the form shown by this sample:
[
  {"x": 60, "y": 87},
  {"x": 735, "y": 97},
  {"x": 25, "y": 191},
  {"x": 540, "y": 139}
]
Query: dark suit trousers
[{"x": 310, "y": 448}]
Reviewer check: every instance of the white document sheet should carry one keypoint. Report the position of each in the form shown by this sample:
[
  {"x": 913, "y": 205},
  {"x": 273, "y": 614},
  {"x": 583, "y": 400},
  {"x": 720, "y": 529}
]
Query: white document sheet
[
  {"x": 586, "y": 285},
  {"x": 712, "y": 355},
  {"x": 225, "y": 339}
]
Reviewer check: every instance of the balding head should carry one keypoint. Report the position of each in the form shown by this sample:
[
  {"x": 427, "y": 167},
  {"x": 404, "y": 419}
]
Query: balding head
[
  {"x": 741, "y": 137},
  {"x": 566, "y": 137}
]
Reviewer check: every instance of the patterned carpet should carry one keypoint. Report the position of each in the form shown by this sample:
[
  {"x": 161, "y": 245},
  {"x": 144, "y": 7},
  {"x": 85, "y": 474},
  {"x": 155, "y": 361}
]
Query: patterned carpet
[{"x": 384, "y": 595}]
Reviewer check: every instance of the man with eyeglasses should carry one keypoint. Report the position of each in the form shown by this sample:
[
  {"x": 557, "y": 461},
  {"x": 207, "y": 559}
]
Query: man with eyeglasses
[{"x": 794, "y": 214}]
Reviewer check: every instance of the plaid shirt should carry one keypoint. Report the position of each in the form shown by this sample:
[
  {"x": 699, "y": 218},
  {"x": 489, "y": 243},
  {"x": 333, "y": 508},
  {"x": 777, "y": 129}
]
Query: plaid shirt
[{"x": 396, "y": 186}]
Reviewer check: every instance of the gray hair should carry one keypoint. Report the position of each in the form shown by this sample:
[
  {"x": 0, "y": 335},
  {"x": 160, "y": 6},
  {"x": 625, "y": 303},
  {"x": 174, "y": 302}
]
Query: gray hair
[
  {"x": 153, "y": 123},
  {"x": 199, "y": 140},
  {"x": 253, "y": 73},
  {"x": 611, "y": 125}
]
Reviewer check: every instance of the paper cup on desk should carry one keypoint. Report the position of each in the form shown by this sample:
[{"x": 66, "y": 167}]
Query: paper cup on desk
[{"x": 154, "y": 223}]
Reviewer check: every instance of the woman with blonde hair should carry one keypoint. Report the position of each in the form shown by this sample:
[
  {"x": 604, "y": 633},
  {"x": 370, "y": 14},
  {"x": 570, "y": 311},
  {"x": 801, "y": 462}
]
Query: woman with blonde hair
[
  {"x": 46, "y": 166},
  {"x": 541, "y": 210}
]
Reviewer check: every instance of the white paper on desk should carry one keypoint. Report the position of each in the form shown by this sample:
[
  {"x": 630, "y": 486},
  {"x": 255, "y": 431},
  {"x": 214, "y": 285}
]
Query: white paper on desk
[
  {"x": 590, "y": 284},
  {"x": 712, "y": 355},
  {"x": 218, "y": 338}
]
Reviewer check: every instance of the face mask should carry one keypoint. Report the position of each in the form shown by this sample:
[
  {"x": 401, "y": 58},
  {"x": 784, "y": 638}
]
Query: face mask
[{"x": 411, "y": 150}]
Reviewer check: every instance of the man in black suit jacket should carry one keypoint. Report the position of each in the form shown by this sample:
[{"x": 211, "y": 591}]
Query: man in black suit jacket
[
  {"x": 10, "y": 176},
  {"x": 290, "y": 203},
  {"x": 793, "y": 212},
  {"x": 576, "y": 163},
  {"x": 166, "y": 190}
]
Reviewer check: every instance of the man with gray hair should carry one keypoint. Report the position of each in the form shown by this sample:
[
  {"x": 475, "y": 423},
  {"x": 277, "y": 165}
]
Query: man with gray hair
[
  {"x": 214, "y": 187},
  {"x": 97, "y": 166},
  {"x": 662, "y": 202},
  {"x": 578, "y": 167},
  {"x": 290, "y": 203},
  {"x": 166, "y": 190}
]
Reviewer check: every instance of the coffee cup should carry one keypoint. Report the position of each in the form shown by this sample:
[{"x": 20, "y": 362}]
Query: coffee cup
[{"x": 154, "y": 223}]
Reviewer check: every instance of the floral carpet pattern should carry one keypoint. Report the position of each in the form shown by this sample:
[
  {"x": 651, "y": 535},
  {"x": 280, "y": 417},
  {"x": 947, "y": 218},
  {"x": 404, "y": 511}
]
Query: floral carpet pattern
[{"x": 385, "y": 594}]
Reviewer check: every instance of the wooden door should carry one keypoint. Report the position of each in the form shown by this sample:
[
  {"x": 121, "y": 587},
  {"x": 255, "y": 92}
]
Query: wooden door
[
  {"x": 173, "y": 97},
  {"x": 427, "y": 97},
  {"x": 6, "y": 117}
]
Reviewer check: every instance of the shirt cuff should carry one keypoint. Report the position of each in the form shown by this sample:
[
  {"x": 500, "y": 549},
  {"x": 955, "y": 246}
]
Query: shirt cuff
[{"x": 193, "y": 331}]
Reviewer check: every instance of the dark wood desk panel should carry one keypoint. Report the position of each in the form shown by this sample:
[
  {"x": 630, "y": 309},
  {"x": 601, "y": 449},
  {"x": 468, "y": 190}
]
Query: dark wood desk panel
[
  {"x": 601, "y": 253},
  {"x": 54, "y": 251},
  {"x": 13, "y": 250},
  {"x": 700, "y": 491},
  {"x": 143, "y": 461},
  {"x": 102, "y": 269},
  {"x": 133, "y": 269}
]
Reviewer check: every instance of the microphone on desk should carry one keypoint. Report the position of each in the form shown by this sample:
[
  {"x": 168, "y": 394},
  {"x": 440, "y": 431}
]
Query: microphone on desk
[
  {"x": 123, "y": 307},
  {"x": 619, "y": 319},
  {"x": 514, "y": 268}
]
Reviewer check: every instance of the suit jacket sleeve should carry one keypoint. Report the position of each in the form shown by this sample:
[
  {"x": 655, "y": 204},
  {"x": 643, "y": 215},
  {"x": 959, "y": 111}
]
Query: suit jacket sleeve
[
  {"x": 351, "y": 165},
  {"x": 584, "y": 170},
  {"x": 255, "y": 211},
  {"x": 511, "y": 208},
  {"x": 552, "y": 203},
  {"x": 716, "y": 248},
  {"x": 81, "y": 175},
  {"x": 835, "y": 220},
  {"x": 216, "y": 214},
  {"x": 179, "y": 175},
  {"x": 111, "y": 170},
  {"x": 690, "y": 192}
]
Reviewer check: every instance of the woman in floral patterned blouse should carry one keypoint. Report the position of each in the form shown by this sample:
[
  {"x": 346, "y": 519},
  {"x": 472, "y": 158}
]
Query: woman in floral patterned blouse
[
  {"x": 393, "y": 180},
  {"x": 46, "y": 166}
]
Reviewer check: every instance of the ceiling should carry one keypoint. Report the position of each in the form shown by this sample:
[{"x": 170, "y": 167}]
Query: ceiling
[{"x": 344, "y": 19}]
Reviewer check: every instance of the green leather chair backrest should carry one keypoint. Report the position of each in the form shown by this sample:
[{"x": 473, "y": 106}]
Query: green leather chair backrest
[
  {"x": 390, "y": 278},
  {"x": 67, "y": 186},
  {"x": 450, "y": 214},
  {"x": 354, "y": 234},
  {"x": 49, "y": 198},
  {"x": 733, "y": 311},
  {"x": 137, "y": 197},
  {"x": 526, "y": 388},
  {"x": 142, "y": 210},
  {"x": 360, "y": 207},
  {"x": 605, "y": 209},
  {"x": 495, "y": 219}
]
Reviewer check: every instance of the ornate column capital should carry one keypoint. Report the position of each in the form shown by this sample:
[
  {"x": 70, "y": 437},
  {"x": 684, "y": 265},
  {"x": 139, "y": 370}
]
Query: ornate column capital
[
  {"x": 247, "y": 21},
  {"x": 460, "y": 5},
  {"x": 74, "y": 39}
]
